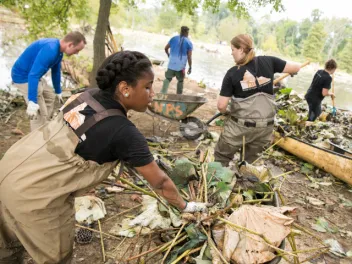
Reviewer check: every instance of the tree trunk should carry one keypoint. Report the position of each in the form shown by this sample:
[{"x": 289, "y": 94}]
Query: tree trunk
[{"x": 99, "y": 39}]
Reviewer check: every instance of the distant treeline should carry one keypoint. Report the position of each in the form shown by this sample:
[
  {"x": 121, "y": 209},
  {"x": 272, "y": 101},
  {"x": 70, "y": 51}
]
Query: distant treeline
[{"x": 316, "y": 38}]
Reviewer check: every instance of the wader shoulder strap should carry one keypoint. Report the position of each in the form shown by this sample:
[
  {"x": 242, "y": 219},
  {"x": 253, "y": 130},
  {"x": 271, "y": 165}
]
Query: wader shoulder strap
[
  {"x": 101, "y": 112},
  {"x": 255, "y": 72},
  {"x": 86, "y": 97},
  {"x": 95, "y": 119}
]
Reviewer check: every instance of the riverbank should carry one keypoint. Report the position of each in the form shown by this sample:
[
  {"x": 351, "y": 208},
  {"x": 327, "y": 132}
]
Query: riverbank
[{"x": 297, "y": 188}]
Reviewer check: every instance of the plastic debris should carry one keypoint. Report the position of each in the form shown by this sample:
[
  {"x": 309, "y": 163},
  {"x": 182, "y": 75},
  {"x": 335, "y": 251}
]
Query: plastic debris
[{"x": 89, "y": 209}]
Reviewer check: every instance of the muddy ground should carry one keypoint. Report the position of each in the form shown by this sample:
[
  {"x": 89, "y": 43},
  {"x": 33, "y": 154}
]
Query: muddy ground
[{"x": 295, "y": 188}]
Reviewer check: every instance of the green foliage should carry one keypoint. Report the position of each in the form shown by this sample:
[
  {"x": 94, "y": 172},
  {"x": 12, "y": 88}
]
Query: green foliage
[
  {"x": 51, "y": 18},
  {"x": 286, "y": 33},
  {"x": 230, "y": 27},
  {"x": 316, "y": 15},
  {"x": 314, "y": 44},
  {"x": 270, "y": 44},
  {"x": 240, "y": 8},
  {"x": 345, "y": 57},
  {"x": 285, "y": 91},
  {"x": 167, "y": 20}
]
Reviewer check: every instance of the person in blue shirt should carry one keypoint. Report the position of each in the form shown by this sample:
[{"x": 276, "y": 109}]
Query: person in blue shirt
[
  {"x": 180, "y": 52},
  {"x": 33, "y": 64}
]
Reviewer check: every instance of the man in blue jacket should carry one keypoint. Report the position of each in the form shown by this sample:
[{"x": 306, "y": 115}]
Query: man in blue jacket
[
  {"x": 33, "y": 64},
  {"x": 181, "y": 52}
]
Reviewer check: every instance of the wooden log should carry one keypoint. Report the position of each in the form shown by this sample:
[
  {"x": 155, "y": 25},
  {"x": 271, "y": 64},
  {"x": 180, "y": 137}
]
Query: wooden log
[{"x": 338, "y": 165}]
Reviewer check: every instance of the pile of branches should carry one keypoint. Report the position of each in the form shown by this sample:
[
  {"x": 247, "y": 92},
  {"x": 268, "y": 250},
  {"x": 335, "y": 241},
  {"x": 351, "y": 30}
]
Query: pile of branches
[
  {"x": 292, "y": 119},
  {"x": 193, "y": 239}
]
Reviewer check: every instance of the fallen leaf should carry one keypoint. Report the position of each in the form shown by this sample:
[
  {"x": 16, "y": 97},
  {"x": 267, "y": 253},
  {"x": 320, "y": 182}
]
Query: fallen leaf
[
  {"x": 314, "y": 201},
  {"x": 318, "y": 228},
  {"x": 322, "y": 226},
  {"x": 345, "y": 233},
  {"x": 308, "y": 166},
  {"x": 114, "y": 189},
  {"x": 345, "y": 202},
  {"x": 17, "y": 131},
  {"x": 325, "y": 183},
  {"x": 335, "y": 247},
  {"x": 314, "y": 185},
  {"x": 136, "y": 198}
]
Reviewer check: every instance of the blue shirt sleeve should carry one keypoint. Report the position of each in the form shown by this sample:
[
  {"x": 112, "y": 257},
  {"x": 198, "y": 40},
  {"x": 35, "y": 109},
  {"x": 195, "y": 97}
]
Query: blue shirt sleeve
[
  {"x": 45, "y": 58},
  {"x": 56, "y": 77},
  {"x": 190, "y": 45}
]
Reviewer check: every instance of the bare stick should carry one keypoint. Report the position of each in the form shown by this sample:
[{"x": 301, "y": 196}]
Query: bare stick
[
  {"x": 173, "y": 242},
  {"x": 315, "y": 256},
  {"x": 282, "y": 174},
  {"x": 8, "y": 118},
  {"x": 308, "y": 232},
  {"x": 101, "y": 241},
  {"x": 212, "y": 244},
  {"x": 186, "y": 253},
  {"x": 243, "y": 147},
  {"x": 137, "y": 188},
  {"x": 165, "y": 246},
  {"x": 126, "y": 211},
  {"x": 204, "y": 174},
  {"x": 277, "y": 142}
]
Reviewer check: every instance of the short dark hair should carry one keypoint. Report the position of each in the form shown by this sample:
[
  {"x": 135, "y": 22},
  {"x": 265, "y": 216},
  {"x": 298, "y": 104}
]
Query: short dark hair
[
  {"x": 184, "y": 30},
  {"x": 75, "y": 37},
  {"x": 330, "y": 64},
  {"x": 126, "y": 66}
]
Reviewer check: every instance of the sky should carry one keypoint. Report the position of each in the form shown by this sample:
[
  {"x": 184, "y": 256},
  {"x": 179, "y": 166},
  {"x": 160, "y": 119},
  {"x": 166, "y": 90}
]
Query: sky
[{"x": 300, "y": 9}]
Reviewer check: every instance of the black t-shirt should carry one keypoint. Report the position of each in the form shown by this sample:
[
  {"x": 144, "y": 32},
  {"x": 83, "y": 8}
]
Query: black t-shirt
[
  {"x": 321, "y": 79},
  {"x": 113, "y": 138},
  {"x": 240, "y": 82}
]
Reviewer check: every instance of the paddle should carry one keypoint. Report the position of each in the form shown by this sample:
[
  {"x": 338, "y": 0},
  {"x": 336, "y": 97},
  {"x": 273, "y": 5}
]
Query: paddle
[
  {"x": 333, "y": 97},
  {"x": 288, "y": 74}
]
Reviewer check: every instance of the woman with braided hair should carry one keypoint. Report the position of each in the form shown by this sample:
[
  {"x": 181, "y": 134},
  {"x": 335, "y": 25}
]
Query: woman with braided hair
[{"x": 42, "y": 173}]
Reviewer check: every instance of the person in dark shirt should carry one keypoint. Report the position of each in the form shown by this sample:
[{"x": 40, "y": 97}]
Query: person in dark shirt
[
  {"x": 42, "y": 173},
  {"x": 249, "y": 86},
  {"x": 319, "y": 88}
]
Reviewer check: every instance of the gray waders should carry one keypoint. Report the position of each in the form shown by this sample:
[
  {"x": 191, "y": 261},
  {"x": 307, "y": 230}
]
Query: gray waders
[{"x": 252, "y": 117}]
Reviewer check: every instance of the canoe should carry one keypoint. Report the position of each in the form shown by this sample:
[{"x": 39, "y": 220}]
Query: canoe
[{"x": 335, "y": 160}]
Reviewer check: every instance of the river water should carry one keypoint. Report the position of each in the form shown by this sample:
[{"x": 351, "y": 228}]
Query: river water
[{"x": 210, "y": 67}]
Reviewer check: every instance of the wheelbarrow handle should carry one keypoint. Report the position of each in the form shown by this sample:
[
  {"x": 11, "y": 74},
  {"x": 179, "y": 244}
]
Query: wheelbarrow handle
[{"x": 213, "y": 118}]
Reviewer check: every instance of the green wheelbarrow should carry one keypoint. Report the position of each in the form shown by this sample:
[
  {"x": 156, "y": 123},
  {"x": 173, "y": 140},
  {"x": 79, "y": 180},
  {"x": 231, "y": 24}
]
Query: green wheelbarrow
[{"x": 178, "y": 107}]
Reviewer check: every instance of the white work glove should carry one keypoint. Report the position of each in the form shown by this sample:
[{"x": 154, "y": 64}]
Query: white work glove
[
  {"x": 59, "y": 97},
  {"x": 193, "y": 207},
  {"x": 32, "y": 109}
]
